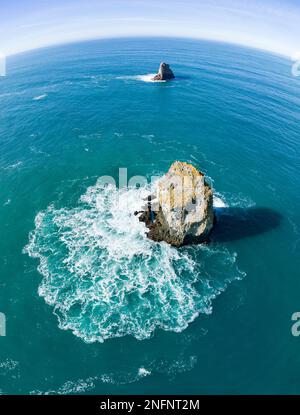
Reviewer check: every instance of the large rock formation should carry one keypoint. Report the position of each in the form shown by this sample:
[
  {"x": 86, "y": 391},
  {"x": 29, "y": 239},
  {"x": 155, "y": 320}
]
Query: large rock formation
[
  {"x": 164, "y": 73},
  {"x": 182, "y": 211}
]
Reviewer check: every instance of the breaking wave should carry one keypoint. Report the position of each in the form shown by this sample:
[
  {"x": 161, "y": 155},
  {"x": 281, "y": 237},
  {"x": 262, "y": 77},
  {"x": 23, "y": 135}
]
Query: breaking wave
[{"x": 106, "y": 279}]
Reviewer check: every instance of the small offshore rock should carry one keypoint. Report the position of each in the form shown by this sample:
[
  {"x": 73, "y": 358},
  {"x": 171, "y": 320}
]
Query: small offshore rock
[{"x": 165, "y": 73}]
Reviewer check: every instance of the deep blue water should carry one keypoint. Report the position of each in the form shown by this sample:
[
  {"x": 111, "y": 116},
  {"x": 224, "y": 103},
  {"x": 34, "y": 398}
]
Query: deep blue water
[{"x": 92, "y": 306}]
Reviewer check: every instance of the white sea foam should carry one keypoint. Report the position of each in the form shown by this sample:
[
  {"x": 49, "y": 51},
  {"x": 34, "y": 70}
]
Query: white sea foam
[
  {"x": 8, "y": 365},
  {"x": 13, "y": 166},
  {"x": 144, "y": 78},
  {"x": 106, "y": 279},
  {"x": 125, "y": 378},
  {"x": 239, "y": 200},
  {"x": 7, "y": 202},
  {"x": 147, "y": 78},
  {"x": 219, "y": 202},
  {"x": 70, "y": 387},
  {"x": 144, "y": 372},
  {"x": 87, "y": 385},
  {"x": 40, "y": 97}
]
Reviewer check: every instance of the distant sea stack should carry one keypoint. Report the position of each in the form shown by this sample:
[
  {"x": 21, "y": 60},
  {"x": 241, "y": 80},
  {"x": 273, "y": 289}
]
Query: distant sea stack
[
  {"x": 182, "y": 211},
  {"x": 165, "y": 73}
]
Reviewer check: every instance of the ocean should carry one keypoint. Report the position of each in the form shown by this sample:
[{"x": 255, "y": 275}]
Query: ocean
[{"x": 94, "y": 307}]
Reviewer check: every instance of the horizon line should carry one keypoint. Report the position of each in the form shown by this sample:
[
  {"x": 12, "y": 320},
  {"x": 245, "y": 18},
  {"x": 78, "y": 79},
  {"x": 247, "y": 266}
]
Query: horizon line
[{"x": 135, "y": 36}]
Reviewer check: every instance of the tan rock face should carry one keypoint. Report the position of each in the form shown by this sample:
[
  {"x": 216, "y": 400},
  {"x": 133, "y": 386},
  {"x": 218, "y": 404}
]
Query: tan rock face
[{"x": 182, "y": 211}]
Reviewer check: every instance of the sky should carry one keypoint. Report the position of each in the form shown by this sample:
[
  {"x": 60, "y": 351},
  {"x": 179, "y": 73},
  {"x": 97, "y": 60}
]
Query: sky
[{"x": 270, "y": 25}]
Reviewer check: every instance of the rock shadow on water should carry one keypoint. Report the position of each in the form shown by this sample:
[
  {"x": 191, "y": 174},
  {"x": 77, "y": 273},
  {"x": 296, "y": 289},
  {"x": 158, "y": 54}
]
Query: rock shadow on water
[{"x": 233, "y": 223}]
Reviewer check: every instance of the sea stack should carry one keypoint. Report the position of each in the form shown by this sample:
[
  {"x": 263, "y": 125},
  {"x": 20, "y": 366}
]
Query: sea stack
[
  {"x": 181, "y": 212},
  {"x": 165, "y": 73}
]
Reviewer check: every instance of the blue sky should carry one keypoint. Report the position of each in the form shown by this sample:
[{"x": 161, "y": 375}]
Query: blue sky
[{"x": 266, "y": 24}]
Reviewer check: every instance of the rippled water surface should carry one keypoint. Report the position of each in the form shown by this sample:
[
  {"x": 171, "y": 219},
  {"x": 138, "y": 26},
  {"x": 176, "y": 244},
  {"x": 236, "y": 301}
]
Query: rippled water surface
[{"x": 92, "y": 305}]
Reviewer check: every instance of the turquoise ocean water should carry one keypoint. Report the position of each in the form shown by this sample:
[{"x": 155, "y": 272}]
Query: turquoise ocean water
[{"x": 92, "y": 306}]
